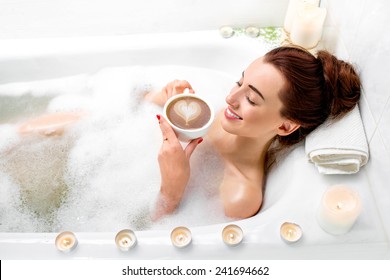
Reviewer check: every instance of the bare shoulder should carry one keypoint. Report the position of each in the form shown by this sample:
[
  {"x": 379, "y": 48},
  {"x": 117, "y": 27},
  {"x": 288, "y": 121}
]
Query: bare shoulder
[{"x": 241, "y": 197}]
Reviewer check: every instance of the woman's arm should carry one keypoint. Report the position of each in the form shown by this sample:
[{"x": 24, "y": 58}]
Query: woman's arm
[{"x": 174, "y": 162}]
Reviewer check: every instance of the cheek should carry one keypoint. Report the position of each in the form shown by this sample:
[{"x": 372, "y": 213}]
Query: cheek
[{"x": 267, "y": 119}]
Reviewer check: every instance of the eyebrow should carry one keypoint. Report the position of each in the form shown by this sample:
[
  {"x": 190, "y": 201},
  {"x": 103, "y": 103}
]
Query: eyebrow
[{"x": 254, "y": 89}]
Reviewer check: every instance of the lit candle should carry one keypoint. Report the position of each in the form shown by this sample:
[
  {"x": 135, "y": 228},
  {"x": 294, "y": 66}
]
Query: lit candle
[
  {"x": 125, "y": 240},
  {"x": 232, "y": 235},
  {"x": 340, "y": 207},
  {"x": 66, "y": 241},
  {"x": 181, "y": 237},
  {"x": 306, "y": 30},
  {"x": 294, "y": 6},
  {"x": 290, "y": 232}
]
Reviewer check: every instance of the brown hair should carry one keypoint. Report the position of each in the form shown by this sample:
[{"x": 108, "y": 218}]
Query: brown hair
[{"x": 317, "y": 88}]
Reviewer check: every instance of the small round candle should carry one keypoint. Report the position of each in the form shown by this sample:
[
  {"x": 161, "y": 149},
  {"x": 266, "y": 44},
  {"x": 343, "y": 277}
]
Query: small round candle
[
  {"x": 226, "y": 31},
  {"x": 252, "y": 31},
  {"x": 66, "y": 241},
  {"x": 340, "y": 207},
  {"x": 290, "y": 232},
  {"x": 181, "y": 237},
  {"x": 125, "y": 240},
  {"x": 232, "y": 235}
]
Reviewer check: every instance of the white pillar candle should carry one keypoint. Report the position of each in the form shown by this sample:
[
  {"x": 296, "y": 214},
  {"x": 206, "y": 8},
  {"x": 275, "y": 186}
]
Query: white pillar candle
[
  {"x": 306, "y": 30},
  {"x": 340, "y": 207},
  {"x": 125, "y": 240},
  {"x": 66, "y": 241},
  {"x": 232, "y": 235},
  {"x": 181, "y": 237},
  {"x": 290, "y": 232},
  {"x": 294, "y": 6}
]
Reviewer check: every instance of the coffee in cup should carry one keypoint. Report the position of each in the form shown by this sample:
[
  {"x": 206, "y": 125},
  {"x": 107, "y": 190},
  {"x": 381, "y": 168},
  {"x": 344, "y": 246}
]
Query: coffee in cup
[{"x": 189, "y": 115}]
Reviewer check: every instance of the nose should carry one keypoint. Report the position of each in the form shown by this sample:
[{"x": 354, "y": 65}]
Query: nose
[{"x": 233, "y": 97}]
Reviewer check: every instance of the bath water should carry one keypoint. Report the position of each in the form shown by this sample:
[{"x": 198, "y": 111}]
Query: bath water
[{"x": 102, "y": 174}]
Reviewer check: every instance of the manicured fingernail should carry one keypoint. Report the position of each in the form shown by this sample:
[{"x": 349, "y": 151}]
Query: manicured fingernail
[
  {"x": 200, "y": 140},
  {"x": 158, "y": 117}
]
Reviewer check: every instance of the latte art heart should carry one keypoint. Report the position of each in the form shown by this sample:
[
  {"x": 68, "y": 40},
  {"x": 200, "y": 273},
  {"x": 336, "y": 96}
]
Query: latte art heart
[{"x": 187, "y": 110}]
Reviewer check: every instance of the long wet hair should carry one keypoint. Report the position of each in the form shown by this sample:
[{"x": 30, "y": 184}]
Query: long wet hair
[{"x": 317, "y": 88}]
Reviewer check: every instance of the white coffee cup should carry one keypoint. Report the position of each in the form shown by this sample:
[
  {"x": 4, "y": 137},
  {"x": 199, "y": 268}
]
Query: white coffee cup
[{"x": 186, "y": 108}]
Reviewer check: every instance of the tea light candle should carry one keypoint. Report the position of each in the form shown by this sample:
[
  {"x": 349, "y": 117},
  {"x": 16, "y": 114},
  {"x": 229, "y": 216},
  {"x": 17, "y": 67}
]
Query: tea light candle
[
  {"x": 226, "y": 31},
  {"x": 294, "y": 6},
  {"x": 181, "y": 237},
  {"x": 290, "y": 232},
  {"x": 232, "y": 235},
  {"x": 340, "y": 207},
  {"x": 306, "y": 30},
  {"x": 66, "y": 241},
  {"x": 252, "y": 31},
  {"x": 125, "y": 240}
]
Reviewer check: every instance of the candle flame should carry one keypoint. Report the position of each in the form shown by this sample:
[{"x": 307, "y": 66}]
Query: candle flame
[
  {"x": 339, "y": 205},
  {"x": 181, "y": 238},
  {"x": 66, "y": 242},
  {"x": 125, "y": 242}
]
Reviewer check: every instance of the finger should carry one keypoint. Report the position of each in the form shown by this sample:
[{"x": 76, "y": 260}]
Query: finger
[
  {"x": 180, "y": 86},
  {"x": 167, "y": 131},
  {"x": 192, "y": 146}
]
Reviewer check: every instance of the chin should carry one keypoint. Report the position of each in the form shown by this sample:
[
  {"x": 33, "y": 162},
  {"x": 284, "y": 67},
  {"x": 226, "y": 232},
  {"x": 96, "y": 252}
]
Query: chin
[{"x": 228, "y": 128}]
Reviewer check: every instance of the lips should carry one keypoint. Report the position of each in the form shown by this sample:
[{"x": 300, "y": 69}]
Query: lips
[{"x": 230, "y": 114}]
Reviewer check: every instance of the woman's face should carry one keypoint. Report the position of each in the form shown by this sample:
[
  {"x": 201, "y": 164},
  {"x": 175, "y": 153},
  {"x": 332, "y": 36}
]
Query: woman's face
[{"x": 253, "y": 104}]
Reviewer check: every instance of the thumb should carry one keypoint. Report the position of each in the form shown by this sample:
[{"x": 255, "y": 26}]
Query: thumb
[{"x": 192, "y": 146}]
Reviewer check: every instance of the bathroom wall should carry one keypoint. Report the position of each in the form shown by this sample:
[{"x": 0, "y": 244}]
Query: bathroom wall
[
  {"x": 49, "y": 18},
  {"x": 361, "y": 27}
]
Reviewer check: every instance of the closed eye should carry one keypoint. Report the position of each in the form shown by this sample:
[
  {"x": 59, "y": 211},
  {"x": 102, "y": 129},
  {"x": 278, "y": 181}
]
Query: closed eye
[{"x": 250, "y": 101}]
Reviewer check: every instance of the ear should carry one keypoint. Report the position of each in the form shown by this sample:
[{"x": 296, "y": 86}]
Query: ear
[{"x": 288, "y": 127}]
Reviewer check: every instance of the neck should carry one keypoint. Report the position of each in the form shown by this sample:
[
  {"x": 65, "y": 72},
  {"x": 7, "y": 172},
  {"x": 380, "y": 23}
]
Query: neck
[{"x": 249, "y": 150}]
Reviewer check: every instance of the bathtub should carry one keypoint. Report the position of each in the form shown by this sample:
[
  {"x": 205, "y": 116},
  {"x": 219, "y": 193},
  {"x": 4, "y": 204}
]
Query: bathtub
[{"x": 294, "y": 189}]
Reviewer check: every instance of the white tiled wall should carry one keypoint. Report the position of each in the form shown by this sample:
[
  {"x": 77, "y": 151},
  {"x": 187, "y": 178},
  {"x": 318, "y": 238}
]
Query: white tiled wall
[{"x": 362, "y": 27}]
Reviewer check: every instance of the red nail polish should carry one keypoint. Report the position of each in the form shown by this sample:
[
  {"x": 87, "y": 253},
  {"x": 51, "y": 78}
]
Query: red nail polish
[
  {"x": 158, "y": 117},
  {"x": 200, "y": 140}
]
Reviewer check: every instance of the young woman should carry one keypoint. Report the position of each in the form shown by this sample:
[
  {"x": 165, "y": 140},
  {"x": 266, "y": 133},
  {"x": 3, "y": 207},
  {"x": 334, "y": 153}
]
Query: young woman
[{"x": 279, "y": 99}]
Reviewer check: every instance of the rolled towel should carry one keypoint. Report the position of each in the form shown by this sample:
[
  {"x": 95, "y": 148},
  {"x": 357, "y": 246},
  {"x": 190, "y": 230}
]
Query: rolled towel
[{"x": 340, "y": 146}]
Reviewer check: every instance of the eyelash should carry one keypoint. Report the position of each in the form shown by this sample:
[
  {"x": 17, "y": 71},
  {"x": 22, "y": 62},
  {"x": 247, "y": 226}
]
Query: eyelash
[{"x": 247, "y": 97}]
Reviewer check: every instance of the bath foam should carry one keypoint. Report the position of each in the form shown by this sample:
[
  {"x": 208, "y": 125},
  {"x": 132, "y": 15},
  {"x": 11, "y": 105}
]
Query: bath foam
[{"x": 108, "y": 173}]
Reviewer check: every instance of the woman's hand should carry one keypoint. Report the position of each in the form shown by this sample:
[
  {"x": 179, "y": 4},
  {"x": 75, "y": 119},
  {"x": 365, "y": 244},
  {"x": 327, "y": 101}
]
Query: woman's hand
[
  {"x": 173, "y": 88},
  {"x": 174, "y": 162}
]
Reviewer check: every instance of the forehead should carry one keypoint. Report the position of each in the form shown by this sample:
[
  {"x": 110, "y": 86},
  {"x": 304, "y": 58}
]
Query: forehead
[{"x": 264, "y": 76}]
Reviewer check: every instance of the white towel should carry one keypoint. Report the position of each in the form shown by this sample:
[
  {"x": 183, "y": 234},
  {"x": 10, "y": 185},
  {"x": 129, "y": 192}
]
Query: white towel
[{"x": 339, "y": 147}]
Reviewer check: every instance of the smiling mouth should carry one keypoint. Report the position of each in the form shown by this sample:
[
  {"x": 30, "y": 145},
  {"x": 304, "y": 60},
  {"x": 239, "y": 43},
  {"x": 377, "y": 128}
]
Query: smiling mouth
[{"x": 231, "y": 115}]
